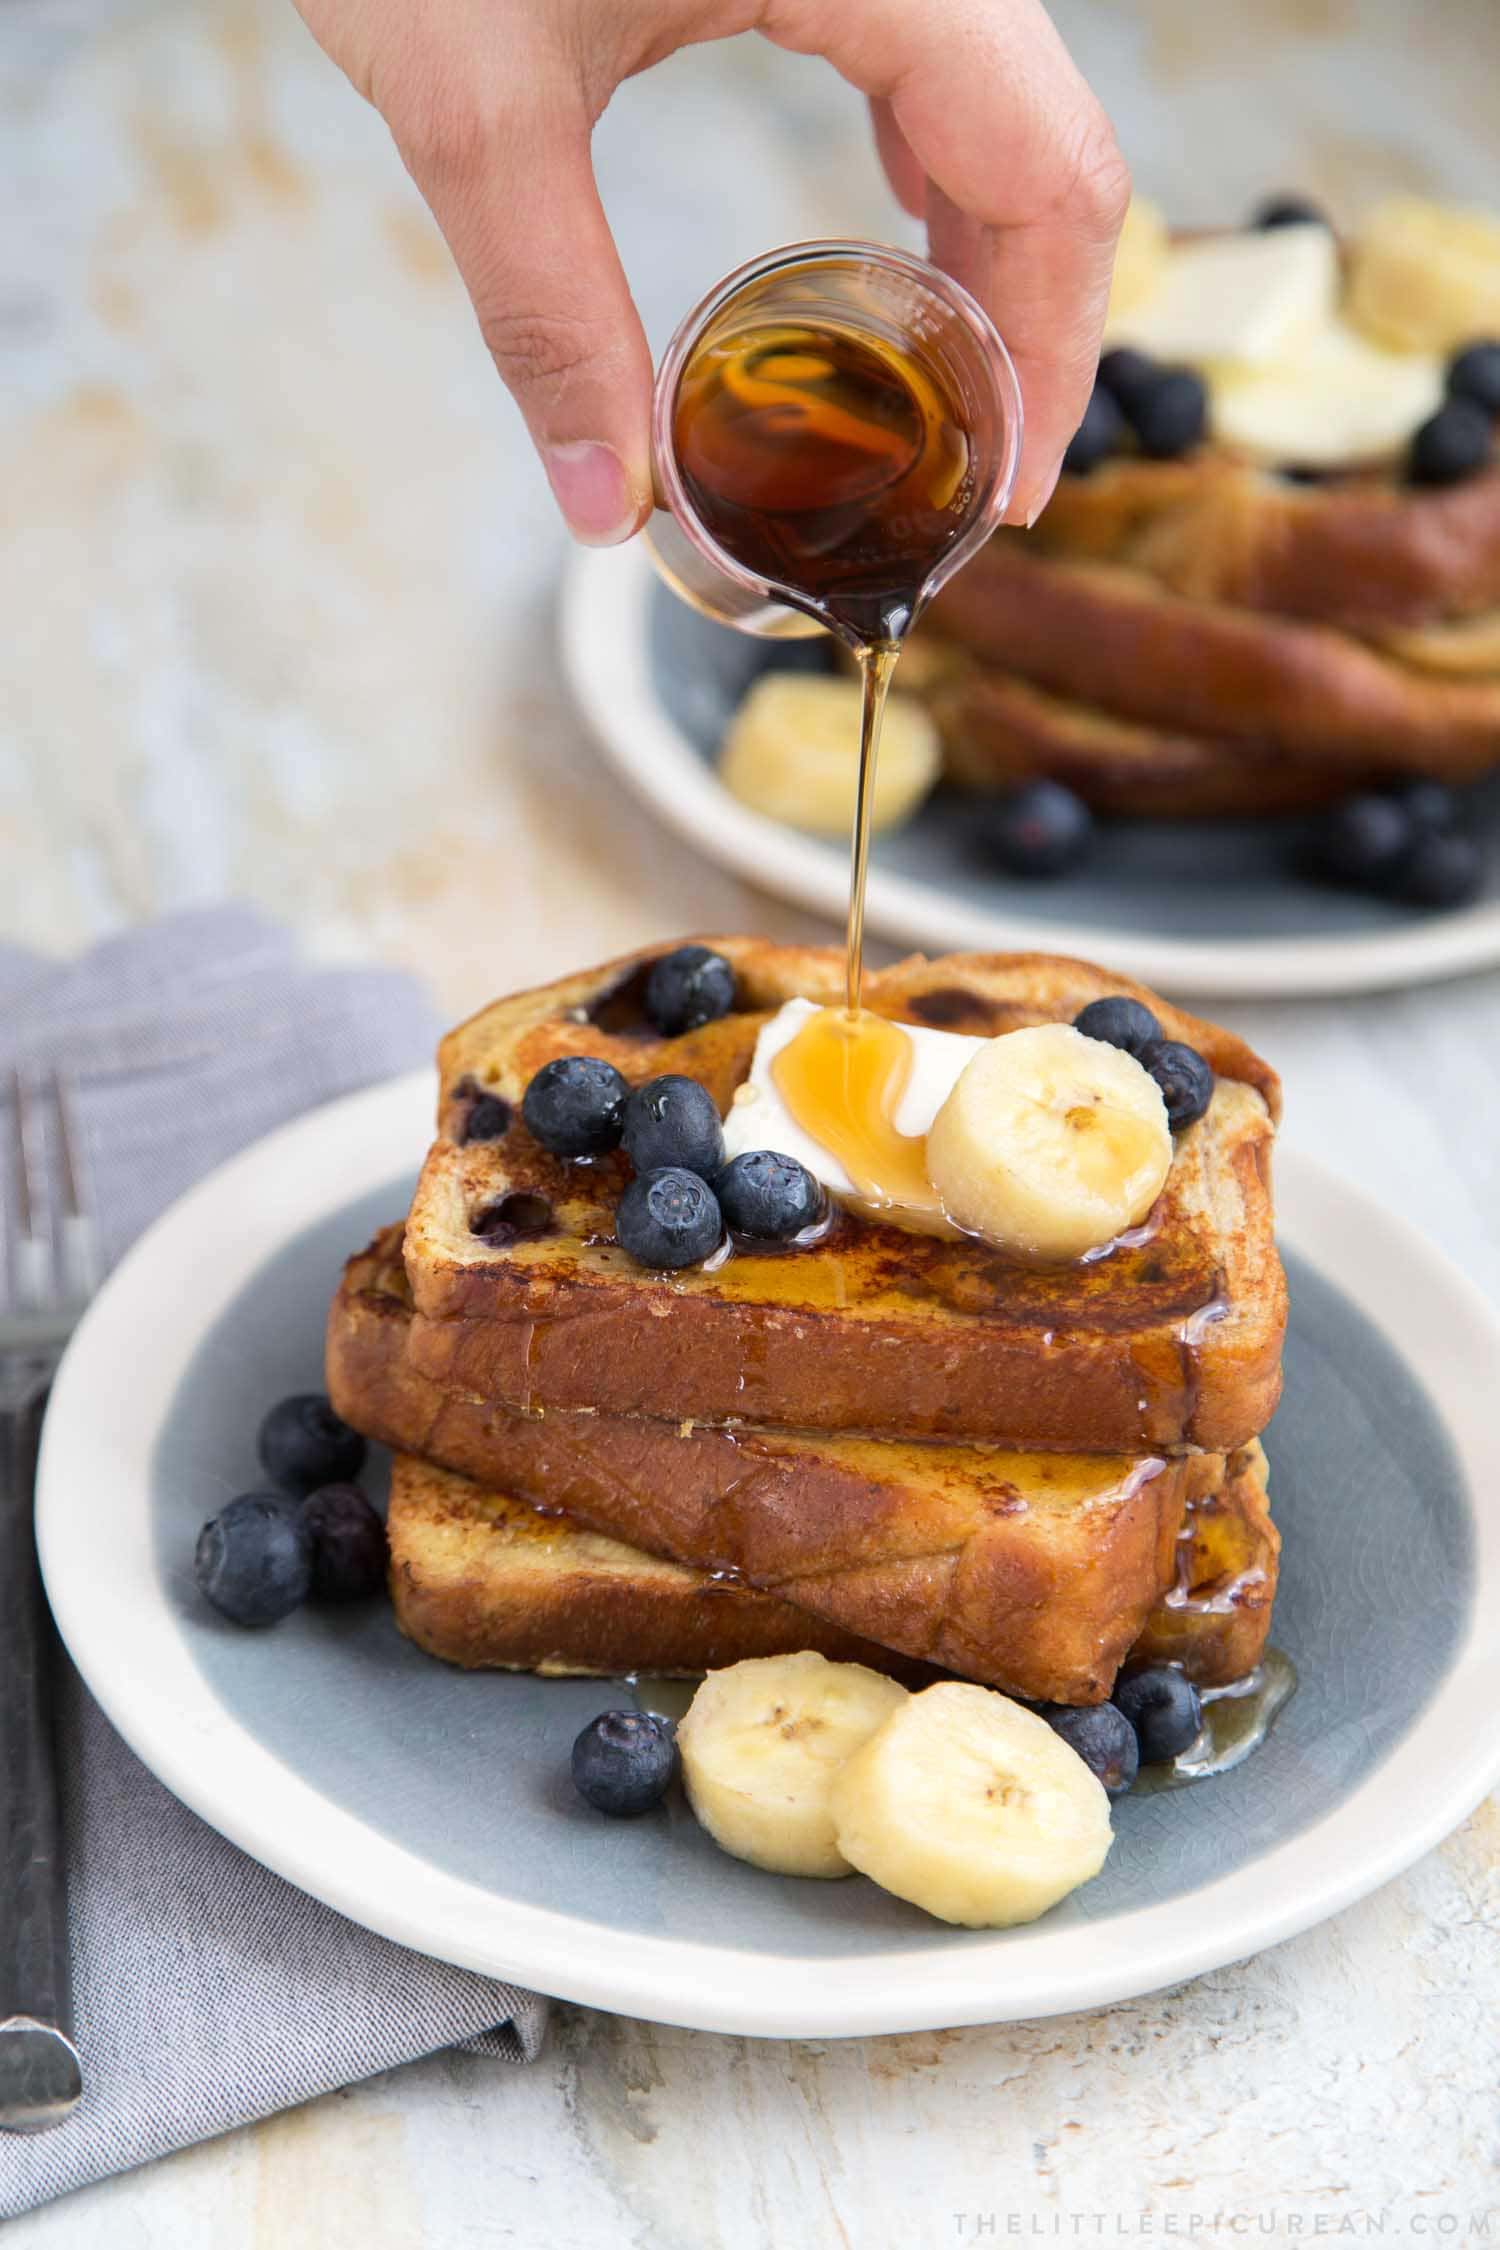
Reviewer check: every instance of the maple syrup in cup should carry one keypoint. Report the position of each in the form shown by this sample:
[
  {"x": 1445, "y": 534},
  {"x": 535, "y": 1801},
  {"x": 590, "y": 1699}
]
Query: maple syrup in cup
[{"x": 836, "y": 431}]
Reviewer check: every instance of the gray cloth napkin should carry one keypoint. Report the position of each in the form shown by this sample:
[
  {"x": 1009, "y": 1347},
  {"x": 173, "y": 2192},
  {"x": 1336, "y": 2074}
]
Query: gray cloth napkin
[{"x": 208, "y": 1992}]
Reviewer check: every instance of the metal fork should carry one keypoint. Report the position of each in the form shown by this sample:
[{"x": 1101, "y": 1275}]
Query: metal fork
[{"x": 54, "y": 1271}]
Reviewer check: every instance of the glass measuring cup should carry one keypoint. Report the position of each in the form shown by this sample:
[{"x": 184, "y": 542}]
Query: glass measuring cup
[{"x": 918, "y": 320}]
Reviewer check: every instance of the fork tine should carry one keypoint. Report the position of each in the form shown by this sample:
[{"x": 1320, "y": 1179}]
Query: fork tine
[
  {"x": 80, "y": 1244},
  {"x": 67, "y": 1142},
  {"x": 34, "y": 1272}
]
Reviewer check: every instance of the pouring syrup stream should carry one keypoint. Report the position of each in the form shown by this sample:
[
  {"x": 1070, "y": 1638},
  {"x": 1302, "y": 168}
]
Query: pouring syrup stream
[
  {"x": 876, "y": 664},
  {"x": 837, "y": 463}
]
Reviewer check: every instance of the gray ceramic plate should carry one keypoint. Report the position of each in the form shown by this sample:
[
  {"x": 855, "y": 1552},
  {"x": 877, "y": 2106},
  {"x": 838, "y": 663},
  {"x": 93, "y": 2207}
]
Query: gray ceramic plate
[
  {"x": 435, "y": 1805},
  {"x": 1212, "y": 907}
]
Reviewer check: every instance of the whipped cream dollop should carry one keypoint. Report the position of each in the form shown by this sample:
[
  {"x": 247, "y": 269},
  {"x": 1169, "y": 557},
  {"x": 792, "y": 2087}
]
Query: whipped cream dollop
[{"x": 760, "y": 1118}]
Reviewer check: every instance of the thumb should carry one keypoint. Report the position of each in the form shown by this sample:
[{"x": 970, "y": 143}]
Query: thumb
[{"x": 518, "y": 204}]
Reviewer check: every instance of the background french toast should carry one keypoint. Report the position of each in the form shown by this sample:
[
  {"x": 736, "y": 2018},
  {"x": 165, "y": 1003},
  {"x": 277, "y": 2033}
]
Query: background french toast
[
  {"x": 998, "y": 730},
  {"x": 524, "y": 1300},
  {"x": 1113, "y": 639},
  {"x": 1034, "y": 1573},
  {"x": 1305, "y": 571},
  {"x": 1363, "y": 553},
  {"x": 481, "y": 1578}
]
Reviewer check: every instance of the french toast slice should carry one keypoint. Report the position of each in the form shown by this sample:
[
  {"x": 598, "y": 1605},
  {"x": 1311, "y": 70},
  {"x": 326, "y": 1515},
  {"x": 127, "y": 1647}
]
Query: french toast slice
[
  {"x": 486, "y": 1580},
  {"x": 1333, "y": 626},
  {"x": 483, "y": 1579},
  {"x": 1113, "y": 638},
  {"x": 1214, "y": 1617},
  {"x": 999, "y": 730},
  {"x": 525, "y": 1301},
  {"x": 1031, "y": 1572},
  {"x": 1361, "y": 551}
]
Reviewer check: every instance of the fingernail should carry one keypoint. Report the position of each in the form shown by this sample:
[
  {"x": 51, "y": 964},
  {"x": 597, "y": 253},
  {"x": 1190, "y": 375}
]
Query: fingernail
[
  {"x": 593, "y": 492},
  {"x": 1043, "y": 496}
]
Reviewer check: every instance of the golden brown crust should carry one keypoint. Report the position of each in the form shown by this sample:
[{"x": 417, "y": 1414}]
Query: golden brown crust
[
  {"x": 1215, "y": 1615},
  {"x": 1113, "y": 638},
  {"x": 480, "y": 1578},
  {"x": 1034, "y": 1574},
  {"x": 484, "y": 1580},
  {"x": 1360, "y": 552},
  {"x": 1170, "y": 1343},
  {"x": 502, "y": 1044},
  {"x": 998, "y": 730}
]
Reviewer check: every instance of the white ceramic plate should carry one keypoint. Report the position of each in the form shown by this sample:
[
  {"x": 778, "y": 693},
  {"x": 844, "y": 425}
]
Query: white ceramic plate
[
  {"x": 1210, "y": 908},
  {"x": 433, "y": 1805}
]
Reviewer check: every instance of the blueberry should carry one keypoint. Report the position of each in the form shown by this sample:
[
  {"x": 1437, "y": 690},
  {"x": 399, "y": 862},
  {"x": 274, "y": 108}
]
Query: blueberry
[
  {"x": 1456, "y": 442},
  {"x": 1185, "y": 1079},
  {"x": 1170, "y": 415},
  {"x": 348, "y": 1544},
  {"x": 1441, "y": 871},
  {"x": 1474, "y": 374},
  {"x": 575, "y": 1104},
  {"x": 623, "y": 1762},
  {"x": 1097, "y": 435},
  {"x": 768, "y": 1196},
  {"x": 519, "y": 1216},
  {"x": 1163, "y": 1708},
  {"x": 1431, "y": 808},
  {"x": 1363, "y": 842},
  {"x": 489, "y": 1119},
  {"x": 1103, "y": 1738},
  {"x": 1119, "y": 1022},
  {"x": 669, "y": 1218},
  {"x": 1287, "y": 211},
  {"x": 673, "y": 1120},
  {"x": 304, "y": 1444},
  {"x": 687, "y": 988},
  {"x": 1041, "y": 829},
  {"x": 253, "y": 1559},
  {"x": 1126, "y": 375}
]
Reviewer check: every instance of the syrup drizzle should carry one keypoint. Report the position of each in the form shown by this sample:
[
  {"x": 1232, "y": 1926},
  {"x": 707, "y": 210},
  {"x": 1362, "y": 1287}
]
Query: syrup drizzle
[
  {"x": 835, "y": 461},
  {"x": 876, "y": 664},
  {"x": 844, "y": 1074},
  {"x": 663, "y": 1695},
  {"x": 1236, "y": 1720},
  {"x": 843, "y": 1078}
]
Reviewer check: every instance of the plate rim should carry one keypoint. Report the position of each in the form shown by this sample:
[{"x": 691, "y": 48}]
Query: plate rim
[
  {"x": 121, "y": 1372},
  {"x": 603, "y": 641}
]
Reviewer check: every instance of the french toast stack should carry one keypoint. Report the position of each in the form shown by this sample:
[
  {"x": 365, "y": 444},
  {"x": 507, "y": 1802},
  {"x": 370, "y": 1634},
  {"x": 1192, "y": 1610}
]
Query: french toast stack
[
  {"x": 1303, "y": 598},
  {"x": 896, "y": 1447}
]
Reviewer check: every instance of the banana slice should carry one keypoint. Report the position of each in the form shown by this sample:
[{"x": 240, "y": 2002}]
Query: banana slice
[
  {"x": 1140, "y": 256},
  {"x": 761, "y": 1744},
  {"x": 1425, "y": 277},
  {"x": 1234, "y": 296},
  {"x": 1050, "y": 1143},
  {"x": 792, "y": 752},
  {"x": 971, "y": 1807},
  {"x": 1466, "y": 647},
  {"x": 1331, "y": 398}
]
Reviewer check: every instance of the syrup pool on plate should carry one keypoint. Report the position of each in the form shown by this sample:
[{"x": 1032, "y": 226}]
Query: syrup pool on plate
[{"x": 1236, "y": 1721}]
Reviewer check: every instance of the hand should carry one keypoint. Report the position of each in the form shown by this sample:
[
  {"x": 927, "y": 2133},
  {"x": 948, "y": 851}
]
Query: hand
[{"x": 983, "y": 124}]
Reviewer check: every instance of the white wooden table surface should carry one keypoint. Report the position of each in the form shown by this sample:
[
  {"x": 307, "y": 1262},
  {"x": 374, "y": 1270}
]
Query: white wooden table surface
[{"x": 275, "y": 587}]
